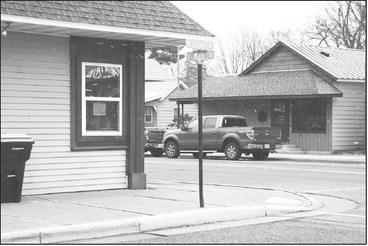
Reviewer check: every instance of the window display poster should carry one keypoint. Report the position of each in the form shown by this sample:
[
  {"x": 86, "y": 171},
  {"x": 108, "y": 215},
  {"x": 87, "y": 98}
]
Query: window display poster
[{"x": 99, "y": 109}]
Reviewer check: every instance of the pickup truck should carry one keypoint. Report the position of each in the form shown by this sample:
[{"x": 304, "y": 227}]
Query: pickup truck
[
  {"x": 223, "y": 133},
  {"x": 153, "y": 142}
]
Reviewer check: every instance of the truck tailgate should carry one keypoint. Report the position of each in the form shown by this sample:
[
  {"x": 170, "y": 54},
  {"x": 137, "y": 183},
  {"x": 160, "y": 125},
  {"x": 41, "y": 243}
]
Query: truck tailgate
[
  {"x": 270, "y": 135},
  {"x": 155, "y": 136}
]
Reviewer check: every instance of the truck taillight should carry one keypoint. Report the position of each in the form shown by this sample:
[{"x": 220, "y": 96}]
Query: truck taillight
[{"x": 250, "y": 134}]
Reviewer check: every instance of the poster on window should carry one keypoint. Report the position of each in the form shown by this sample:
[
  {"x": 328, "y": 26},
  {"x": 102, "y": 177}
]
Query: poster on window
[{"x": 99, "y": 109}]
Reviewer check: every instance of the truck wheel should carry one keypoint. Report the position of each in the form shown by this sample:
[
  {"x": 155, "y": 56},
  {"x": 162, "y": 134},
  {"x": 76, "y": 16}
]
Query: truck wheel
[
  {"x": 172, "y": 150},
  {"x": 261, "y": 155},
  {"x": 232, "y": 151},
  {"x": 157, "y": 152},
  {"x": 196, "y": 155},
  {"x": 265, "y": 155}
]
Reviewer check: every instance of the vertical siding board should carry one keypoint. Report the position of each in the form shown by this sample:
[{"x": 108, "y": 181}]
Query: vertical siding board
[
  {"x": 246, "y": 108},
  {"x": 41, "y": 63},
  {"x": 282, "y": 59},
  {"x": 349, "y": 117}
]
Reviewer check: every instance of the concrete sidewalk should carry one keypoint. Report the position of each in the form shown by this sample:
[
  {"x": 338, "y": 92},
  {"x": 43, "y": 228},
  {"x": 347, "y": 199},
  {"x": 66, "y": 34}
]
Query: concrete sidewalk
[
  {"x": 309, "y": 157},
  {"x": 348, "y": 159},
  {"x": 58, "y": 218}
]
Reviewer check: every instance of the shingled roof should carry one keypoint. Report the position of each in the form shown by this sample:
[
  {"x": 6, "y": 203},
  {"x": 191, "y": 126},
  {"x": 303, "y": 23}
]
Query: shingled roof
[
  {"x": 339, "y": 63},
  {"x": 277, "y": 84},
  {"x": 147, "y": 15},
  {"x": 156, "y": 23}
]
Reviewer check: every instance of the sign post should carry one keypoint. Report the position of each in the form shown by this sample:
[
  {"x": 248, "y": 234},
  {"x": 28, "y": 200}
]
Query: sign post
[{"x": 202, "y": 50}]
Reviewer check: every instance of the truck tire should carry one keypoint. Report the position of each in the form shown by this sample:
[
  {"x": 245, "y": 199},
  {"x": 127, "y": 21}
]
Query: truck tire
[
  {"x": 196, "y": 155},
  {"x": 157, "y": 152},
  {"x": 260, "y": 155},
  {"x": 172, "y": 149},
  {"x": 265, "y": 155},
  {"x": 232, "y": 151}
]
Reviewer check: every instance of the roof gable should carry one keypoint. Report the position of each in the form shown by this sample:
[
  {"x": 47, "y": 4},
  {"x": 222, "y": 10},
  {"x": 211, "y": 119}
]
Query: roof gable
[
  {"x": 344, "y": 64},
  {"x": 159, "y": 83},
  {"x": 155, "y": 71}
]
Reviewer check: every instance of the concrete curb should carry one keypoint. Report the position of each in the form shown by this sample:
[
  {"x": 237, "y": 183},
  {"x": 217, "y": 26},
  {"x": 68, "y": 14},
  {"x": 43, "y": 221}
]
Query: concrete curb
[
  {"x": 144, "y": 224},
  {"x": 318, "y": 160}
]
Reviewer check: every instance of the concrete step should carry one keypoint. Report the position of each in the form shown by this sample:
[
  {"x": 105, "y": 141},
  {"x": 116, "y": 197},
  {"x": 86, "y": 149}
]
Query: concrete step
[
  {"x": 290, "y": 148},
  {"x": 281, "y": 151}
]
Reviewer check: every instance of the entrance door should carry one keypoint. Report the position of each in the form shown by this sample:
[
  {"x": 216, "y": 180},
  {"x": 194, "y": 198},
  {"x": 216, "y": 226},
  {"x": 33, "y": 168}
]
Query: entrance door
[{"x": 280, "y": 112}]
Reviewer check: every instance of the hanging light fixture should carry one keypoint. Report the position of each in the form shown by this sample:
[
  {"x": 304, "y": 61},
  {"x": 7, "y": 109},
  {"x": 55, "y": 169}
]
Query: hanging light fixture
[{"x": 5, "y": 32}]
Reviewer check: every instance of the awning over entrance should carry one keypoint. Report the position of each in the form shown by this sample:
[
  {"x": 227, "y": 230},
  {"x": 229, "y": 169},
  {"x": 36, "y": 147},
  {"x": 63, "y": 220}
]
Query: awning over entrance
[{"x": 286, "y": 84}]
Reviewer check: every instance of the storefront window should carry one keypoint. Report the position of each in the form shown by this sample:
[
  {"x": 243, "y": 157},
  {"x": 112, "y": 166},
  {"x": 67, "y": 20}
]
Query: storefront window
[
  {"x": 101, "y": 99},
  {"x": 309, "y": 116}
]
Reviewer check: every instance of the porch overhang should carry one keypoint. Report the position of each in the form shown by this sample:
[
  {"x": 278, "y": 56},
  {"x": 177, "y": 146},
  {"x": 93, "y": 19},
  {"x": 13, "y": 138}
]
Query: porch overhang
[
  {"x": 151, "y": 38},
  {"x": 195, "y": 100},
  {"x": 289, "y": 84}
]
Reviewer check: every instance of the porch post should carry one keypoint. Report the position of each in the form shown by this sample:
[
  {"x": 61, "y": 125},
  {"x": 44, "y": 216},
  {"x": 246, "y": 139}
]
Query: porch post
[
  {"x": 135, "y": 152},
  {"x": 178, "y": 107},
  {"x": 182, "y": 112}
]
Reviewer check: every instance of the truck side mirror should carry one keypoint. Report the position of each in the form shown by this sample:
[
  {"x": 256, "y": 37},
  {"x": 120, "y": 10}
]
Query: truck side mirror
[{"x": 184, "y": 128}]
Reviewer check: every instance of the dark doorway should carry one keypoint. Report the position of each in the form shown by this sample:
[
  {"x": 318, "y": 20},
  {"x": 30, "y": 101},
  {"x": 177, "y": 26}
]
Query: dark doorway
[{"x": 280, "y": 112}]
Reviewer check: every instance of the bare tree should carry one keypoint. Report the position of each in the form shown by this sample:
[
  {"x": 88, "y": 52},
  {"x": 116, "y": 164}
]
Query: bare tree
[
  {"x": 292, "y": 37},
  {"x": 345, "y": 25},
  {"x": 235, "y": 57}
]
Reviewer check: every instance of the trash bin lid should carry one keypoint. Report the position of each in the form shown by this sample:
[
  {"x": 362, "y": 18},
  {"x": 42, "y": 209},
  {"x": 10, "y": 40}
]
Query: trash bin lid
[{"x": 8, "y": 138}]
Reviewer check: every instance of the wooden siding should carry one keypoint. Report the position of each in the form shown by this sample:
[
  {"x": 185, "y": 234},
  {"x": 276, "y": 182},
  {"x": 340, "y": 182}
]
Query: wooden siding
[
  {"x": 349, "y": 114},
  {"x": 315, "y": 141},
  {"x": 284, "y": 59},
  {"x": 281, "y": 59},
  {"x": 165, "y": 112},
  {"x": 246, "y": 108},
  {"x": 35, "y": 99}
]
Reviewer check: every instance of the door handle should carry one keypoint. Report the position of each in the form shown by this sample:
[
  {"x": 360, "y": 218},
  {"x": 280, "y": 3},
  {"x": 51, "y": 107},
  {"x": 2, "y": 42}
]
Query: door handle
[{"x": 214, "y": 132}]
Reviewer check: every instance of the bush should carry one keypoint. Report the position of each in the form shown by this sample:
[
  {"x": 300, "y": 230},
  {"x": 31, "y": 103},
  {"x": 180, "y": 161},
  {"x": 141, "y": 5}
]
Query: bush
[{"x": 181, "y": 122}]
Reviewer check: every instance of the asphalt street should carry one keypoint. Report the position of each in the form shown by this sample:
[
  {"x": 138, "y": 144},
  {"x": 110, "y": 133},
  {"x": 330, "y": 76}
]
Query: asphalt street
[{"x": 340, "y": 187}]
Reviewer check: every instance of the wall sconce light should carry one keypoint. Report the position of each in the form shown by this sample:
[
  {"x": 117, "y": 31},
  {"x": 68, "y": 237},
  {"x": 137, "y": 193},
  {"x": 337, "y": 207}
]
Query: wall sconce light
[{"x": 5, "y": 32}]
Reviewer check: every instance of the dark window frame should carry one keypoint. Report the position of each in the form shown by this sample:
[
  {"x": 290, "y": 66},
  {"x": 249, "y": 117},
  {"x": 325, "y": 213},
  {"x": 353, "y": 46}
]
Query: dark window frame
[{"x": 96, "y": 51}]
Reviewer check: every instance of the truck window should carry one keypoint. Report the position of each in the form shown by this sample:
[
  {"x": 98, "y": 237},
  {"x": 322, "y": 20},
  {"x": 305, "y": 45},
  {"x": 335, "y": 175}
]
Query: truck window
[
  {"x": 193, "y": 124},
  {"x": 241, "y": 122},
  {"x": 210, "y": 123},
  {"x": 233, "y": 122}
]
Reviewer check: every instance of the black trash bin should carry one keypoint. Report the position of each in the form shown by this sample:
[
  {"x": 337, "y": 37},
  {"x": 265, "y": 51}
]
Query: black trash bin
[{"x": 15, "y": 151}]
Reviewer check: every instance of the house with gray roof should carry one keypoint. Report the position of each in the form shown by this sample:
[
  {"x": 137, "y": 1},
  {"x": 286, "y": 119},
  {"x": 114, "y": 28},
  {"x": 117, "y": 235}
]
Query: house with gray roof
[
  {"x": 73, "y": 79},
  {"x": 316, "y": 95},
  {"x": 159, "y": 112}
]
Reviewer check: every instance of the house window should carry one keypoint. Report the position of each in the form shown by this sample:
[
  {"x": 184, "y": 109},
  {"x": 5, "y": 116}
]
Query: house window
[
  {"x": 148, "y": 115},
  {"x": 309, "y": 116},
  {"x": 101, "y": 99}
]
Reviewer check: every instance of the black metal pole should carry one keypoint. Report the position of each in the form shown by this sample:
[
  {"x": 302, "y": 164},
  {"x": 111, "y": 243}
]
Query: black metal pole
[
  {"x": 200, "y": 136},
  {"x": 178, "y": 114}
]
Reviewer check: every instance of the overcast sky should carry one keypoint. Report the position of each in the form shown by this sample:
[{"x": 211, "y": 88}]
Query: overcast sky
[{"x": 224, "y": 17}]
